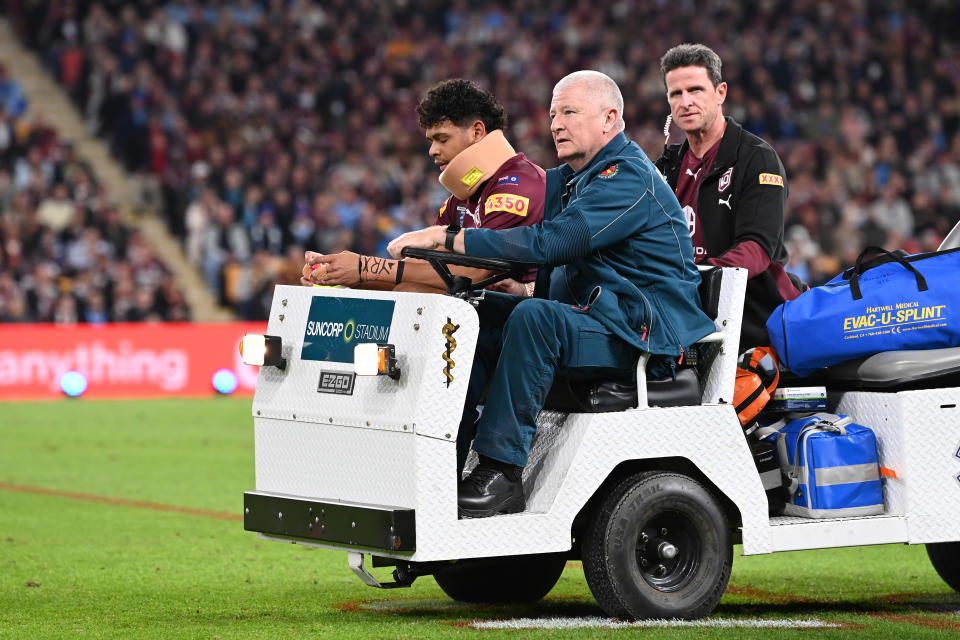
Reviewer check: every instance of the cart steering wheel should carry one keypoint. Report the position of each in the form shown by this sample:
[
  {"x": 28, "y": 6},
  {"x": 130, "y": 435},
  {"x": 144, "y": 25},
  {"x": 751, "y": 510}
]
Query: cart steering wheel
[{"x": 461, "y": 285}]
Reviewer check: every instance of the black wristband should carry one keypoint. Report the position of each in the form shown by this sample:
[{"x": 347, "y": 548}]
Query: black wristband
[
  {"x": 400, "y": 264},
  {"x": 452, "y": 231}
]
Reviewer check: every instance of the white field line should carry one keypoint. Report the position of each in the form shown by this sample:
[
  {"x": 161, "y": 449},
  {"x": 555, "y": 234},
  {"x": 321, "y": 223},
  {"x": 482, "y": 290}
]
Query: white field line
[{"x": 608, "y": 623}]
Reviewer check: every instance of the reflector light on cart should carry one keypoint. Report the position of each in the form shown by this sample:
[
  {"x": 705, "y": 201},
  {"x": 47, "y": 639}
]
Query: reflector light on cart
[
  {"x": 371, "y": 359},
  {"x": 260, "y": 350}
]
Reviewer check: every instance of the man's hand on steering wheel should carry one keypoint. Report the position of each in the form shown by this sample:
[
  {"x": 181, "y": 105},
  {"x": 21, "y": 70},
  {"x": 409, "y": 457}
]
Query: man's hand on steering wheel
[{"x": 429, "y": 238}]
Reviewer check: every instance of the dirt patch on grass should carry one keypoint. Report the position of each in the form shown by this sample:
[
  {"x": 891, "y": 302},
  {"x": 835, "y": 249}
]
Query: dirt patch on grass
[
  {"x": 938, "y": 622},
  {"x": 121, "y": 502}
]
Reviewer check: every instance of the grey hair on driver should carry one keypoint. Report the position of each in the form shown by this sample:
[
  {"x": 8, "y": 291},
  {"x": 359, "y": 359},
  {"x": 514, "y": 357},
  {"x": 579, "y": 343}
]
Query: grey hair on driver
[{"x": 602, "y": 90}]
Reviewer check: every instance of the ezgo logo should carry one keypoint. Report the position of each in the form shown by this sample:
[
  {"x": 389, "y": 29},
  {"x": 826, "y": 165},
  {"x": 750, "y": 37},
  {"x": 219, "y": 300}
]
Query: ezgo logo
[{"x": 336, "y": 325}]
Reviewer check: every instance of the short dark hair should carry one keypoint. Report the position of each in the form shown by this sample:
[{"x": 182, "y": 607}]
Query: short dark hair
[
  {"x": 461, "y": 102},
  {"x": 692, "y": 55}
]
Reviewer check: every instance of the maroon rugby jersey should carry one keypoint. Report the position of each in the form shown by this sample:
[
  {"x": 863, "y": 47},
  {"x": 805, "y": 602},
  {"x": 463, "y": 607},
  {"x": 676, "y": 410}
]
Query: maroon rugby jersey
[
  {"x": 692, "y": 172},
  {"x": 513, "y": 196}
]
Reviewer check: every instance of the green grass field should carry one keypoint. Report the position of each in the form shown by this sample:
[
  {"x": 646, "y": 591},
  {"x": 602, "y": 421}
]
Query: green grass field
[{"x": 122, "y": 520}]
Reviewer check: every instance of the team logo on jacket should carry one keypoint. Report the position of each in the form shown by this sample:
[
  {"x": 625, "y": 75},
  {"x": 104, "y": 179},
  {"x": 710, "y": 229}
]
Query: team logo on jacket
[
  {"x": 610, "y": 171},
  {"x": 725, "y": 180}
]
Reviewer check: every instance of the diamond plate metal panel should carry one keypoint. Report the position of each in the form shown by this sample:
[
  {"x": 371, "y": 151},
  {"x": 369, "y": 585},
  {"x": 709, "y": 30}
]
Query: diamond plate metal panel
[
  {"x": 880, "y": 412},
  {"x": 919, "y": 438},
  {"x": 580, "y": 456},
  {"x": 420, "y": 400},
  {"x": 334, "y": 462},
  {"x": 931, "y": 427},
  {"x": 393, "y": 443}
]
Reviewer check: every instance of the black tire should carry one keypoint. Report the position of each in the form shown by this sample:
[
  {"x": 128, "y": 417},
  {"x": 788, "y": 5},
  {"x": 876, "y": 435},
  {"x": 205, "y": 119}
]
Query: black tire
[
  {"x": 945, "y": 557},
  {"x": 512, "y": 579},
  {"x": 628, "y": 566}
]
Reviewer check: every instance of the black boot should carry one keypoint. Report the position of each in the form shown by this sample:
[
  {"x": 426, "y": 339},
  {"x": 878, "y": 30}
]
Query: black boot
[{"x": 492, "y": 487}]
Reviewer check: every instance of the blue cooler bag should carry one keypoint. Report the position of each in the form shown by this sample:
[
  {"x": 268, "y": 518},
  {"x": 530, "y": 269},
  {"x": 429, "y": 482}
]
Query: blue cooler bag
[
  {"x": 830, "y": 464},
  {"x": 886, "y": 303}
]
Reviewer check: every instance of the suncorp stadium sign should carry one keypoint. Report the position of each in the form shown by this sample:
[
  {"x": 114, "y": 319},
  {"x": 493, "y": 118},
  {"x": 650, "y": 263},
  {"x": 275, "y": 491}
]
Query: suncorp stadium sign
[{"x": 336, "y": 325}]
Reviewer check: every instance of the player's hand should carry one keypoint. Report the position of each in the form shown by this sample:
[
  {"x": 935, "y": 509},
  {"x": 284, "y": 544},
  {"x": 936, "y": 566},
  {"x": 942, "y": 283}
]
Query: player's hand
[
  {"x": 333, "y": 269},
  {"x": 429, "y": 238},
  {"x": 509, "y": 286},
  {"x": 311, "y": 260}
]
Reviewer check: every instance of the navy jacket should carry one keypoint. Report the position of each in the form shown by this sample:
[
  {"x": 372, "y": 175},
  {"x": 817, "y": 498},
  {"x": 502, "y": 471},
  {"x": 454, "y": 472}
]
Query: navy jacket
[{"x": 619, "y": 246}]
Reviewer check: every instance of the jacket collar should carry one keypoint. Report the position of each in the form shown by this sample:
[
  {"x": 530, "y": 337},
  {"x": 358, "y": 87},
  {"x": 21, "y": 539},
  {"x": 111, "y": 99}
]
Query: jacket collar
[
  {"x": 726, "y": 154},
  {"x": 729, "y": 146},
  {"x": 610, "y": 150}
]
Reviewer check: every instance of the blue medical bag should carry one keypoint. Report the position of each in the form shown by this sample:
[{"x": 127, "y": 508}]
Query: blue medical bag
[
  {"x": 887, "y": 303},
  {"x": 830, "y": 466}
]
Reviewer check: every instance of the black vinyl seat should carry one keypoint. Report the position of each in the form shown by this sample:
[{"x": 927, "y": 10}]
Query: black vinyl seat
[{"x": 597, "y": 396}]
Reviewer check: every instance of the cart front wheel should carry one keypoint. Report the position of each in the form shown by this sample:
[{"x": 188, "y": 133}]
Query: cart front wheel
[{"x": 658, "y": 547}]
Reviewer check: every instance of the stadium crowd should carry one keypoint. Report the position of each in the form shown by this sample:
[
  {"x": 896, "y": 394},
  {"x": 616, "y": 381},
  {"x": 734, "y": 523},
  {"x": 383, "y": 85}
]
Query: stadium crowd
[
  {"x": 269, "y": 127},
  {"x": 65, "y": 256}
]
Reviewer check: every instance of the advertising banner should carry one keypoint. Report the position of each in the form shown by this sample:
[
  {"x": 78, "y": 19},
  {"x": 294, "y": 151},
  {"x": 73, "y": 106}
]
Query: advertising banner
[{"x": 124, "y": 360}]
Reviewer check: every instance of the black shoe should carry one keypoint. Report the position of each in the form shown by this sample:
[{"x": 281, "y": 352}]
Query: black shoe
[{"x": 488, "y": 491}]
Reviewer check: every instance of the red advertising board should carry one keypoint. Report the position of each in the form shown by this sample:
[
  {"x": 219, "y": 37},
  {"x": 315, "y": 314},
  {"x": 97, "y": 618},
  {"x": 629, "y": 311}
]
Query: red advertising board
[{"x": 129, "y": 360}]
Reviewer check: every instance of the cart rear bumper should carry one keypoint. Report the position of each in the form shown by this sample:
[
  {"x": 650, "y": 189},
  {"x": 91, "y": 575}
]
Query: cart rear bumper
[{"x": 361, "y": 525}]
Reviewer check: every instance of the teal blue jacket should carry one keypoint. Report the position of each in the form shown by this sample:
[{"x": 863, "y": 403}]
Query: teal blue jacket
[{"x": 619, "y": 247}]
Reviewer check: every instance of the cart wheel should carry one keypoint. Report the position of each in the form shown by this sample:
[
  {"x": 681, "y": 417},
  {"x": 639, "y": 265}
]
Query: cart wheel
[
  {"x": 659, "y": 547},
  {"x": 504, "y": 580},
  {"x": 945, "y": 557}
]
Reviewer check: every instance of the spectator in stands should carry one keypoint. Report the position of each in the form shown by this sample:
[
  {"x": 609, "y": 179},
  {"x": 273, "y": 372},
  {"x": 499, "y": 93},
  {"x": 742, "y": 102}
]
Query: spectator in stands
[
  {"x": 60, "y": 240},
  {"x": 347, "y": 74},
  {"x": 12, "y": 99}
]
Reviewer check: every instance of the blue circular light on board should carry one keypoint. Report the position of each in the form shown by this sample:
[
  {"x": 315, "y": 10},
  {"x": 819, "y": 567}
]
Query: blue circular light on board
[
  {"x": 225, "y": 381},
  {"x": 73, "y": 383}
]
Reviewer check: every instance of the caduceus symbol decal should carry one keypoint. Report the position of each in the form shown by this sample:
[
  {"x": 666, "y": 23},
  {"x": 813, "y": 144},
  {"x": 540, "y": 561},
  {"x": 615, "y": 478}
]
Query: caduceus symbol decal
[{"x": 448, "y": 330}]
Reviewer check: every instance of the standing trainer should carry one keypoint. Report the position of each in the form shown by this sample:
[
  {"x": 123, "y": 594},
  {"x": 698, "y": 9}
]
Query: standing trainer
[
  {"x": 730, "y": 183},
  {"x": 616, "y": 278}
]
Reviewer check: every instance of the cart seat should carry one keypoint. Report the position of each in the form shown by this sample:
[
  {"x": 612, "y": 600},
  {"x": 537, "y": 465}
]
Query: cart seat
[
  {"x": 897, "y": 370},
  {"x": 596, "y": 396}
]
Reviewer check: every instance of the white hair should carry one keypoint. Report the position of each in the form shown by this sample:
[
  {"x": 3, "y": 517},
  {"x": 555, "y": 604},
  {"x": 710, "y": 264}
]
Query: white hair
[{"x": 603, "y": 90}]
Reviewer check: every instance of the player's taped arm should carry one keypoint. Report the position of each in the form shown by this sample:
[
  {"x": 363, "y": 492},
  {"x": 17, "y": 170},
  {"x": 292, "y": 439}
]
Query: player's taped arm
[
  {"x": 385, "y": 273},
  {"x": 383, "y": 270}
]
